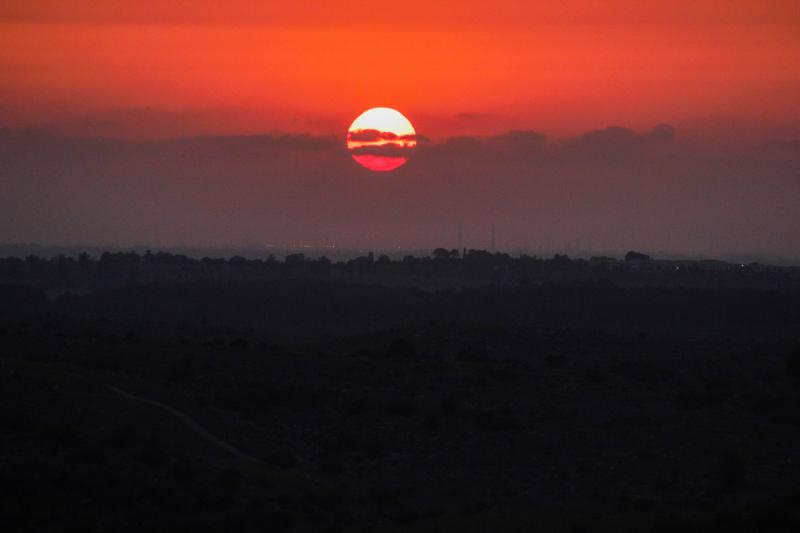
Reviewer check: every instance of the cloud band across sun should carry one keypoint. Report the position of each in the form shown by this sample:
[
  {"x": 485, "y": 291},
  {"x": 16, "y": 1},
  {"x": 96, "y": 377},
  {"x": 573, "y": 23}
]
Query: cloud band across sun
[{"x": 381, "y": 139}]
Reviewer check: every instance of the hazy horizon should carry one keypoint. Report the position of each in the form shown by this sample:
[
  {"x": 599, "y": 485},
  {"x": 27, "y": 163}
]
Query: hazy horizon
[{"x": 610, "y": 189}]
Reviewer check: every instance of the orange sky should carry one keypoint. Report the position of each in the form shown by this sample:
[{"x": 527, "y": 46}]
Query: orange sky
[{"x": 454, "y": 67}]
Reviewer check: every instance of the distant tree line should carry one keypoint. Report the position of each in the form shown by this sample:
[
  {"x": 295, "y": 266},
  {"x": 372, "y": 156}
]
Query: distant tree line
[{"x": 468, "y": 267}]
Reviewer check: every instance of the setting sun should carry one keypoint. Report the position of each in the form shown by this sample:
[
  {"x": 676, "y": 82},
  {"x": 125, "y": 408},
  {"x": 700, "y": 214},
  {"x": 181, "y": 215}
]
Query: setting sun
[{"x": 381, "y": 138}]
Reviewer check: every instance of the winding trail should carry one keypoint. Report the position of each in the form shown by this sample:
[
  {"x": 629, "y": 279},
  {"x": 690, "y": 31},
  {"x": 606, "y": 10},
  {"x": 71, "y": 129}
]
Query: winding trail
[
  {"x": 181, "y": 416},
  {"x": 188, "y": 422}
]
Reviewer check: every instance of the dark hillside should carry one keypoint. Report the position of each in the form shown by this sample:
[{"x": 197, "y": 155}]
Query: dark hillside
[{"x": 312, "y": 404}]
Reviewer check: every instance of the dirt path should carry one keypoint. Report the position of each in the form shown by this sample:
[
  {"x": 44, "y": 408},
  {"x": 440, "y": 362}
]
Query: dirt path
[
  {"x": 187, "y": 421},
  {"x": 181, "y": 416}
]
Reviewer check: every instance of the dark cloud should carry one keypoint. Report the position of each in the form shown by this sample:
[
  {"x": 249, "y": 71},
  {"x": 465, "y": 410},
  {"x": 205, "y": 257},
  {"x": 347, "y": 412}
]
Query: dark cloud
[
  {"x": 269, "y": 142},
  {"x": 611, "y": 137},
  {"x": 609, "y": 144},
  {"x": 388, "y": 150},
  {"x": 615, "y": 187},
  {"x": 662, "y": 132},
  {"x": 368, "y": 136},
  {"x": 616, "y": 143},
  {"x": 462, "y": 143},
  {"x": 519, "y": 140}
]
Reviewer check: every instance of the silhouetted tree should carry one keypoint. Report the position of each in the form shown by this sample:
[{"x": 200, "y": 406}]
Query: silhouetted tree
[
  {"x": 295, "y": 259},
  {"x": 636, "y": 256},
  {"x": 441, "y": 254}
]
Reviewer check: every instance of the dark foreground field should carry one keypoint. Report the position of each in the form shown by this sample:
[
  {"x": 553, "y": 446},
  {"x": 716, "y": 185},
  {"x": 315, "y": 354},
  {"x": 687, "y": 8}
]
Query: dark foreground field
[{"x": 327, "y": 406}]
